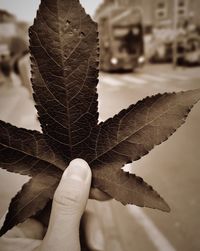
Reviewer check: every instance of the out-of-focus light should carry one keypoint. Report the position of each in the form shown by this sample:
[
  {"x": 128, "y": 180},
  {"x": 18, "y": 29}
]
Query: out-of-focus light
[
  {"x": 114, "y": 61},
  {"x": 141, "y": 60}
]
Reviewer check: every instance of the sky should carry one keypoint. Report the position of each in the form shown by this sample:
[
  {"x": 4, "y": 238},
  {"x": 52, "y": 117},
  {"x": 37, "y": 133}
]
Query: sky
[{"x": 26, "y": 9}]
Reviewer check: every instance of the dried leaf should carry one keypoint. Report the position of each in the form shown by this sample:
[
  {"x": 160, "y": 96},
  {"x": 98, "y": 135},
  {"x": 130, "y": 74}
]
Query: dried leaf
[
  {"x": 63, "y": 44},
  {"x": 128, "y": 189},
  {"x": 32, "y": 198},
  {"x": 25, "y": 151},
  {"x": 64, "y": 52},
  {"x": 135, "y": 131},
  {"x": 132, "y": 134}
]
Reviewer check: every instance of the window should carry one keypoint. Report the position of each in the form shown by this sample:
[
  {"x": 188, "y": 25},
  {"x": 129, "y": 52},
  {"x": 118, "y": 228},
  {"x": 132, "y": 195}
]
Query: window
[
  {"x": 161, "y": 14},
  {"x": 161, "y": 9},
  {"x": 182, "y": 8},
  {"x": 181, "y": 12},
  {"x": 181, "y": 3},
  {"x": 161, "y": 5}
]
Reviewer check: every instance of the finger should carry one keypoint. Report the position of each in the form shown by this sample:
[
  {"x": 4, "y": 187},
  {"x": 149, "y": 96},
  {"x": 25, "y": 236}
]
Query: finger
[
  {"x": 31, "y": 229},
  {"x": 94, "y": 236},
  {"x": 68, "y": 206},
  {"x": 97, "y": 194}
]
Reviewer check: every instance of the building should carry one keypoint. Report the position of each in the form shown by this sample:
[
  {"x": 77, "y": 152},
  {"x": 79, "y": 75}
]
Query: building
[
  {"x": 13, "y": 35},
  {"x": 7, "y": 25},
  {"x": 10, "y": 27},
  {"x": 6, "y": 17},
  {"x": 161, "y": 13},
  {"x": 160, "y": 18}
]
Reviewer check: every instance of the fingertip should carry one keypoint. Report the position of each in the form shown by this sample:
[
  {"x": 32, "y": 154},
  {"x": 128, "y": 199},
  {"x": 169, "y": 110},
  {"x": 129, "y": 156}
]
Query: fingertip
[
  {"x": 79, "y": 162},
  {"x": 73, "y": 190},
  {"x": 78, "y": 169}
]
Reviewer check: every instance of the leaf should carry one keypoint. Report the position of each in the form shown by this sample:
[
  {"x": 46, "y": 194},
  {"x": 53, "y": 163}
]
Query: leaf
[
  {"x": 135, "y": 131},
  {"x": 64, "y": 52},
  {"x": 25, "y": 151},
  {"x": 64, "y": 66},
  {"x": 132, "y": 134},
  {"x": 32, "y": 198},
  {"x": 128, "y": 189}
]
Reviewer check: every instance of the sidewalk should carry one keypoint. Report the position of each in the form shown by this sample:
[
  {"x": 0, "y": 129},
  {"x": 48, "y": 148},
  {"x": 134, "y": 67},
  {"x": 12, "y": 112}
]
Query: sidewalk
[
  {"x": 17, "y": 108},
  {"x": 172, "y": 168}
]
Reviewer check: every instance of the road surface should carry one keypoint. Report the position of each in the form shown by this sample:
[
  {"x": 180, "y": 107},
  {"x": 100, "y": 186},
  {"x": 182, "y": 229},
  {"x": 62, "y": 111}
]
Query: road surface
[{"x": 173, "y": 168}]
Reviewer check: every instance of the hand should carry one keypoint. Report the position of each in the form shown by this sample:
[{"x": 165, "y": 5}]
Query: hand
[{"x": 68, "y": 206}]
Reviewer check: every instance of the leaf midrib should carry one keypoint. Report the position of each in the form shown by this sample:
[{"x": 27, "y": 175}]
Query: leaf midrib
[
  {"x": 43, "y": 191},
  {"x": 130, "y": 190},
  {"x": 30, "y": 155},
  {"x": 139, "y": 129}
]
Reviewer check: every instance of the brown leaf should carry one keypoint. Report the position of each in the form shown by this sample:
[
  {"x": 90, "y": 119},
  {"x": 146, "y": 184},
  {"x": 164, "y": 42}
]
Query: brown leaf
[
  {"x": 64, "y": 52},
  {"x": 132, "y": 134},
  {"x": 64, "y": 74},
  {"x": 135, "y": 131},
  {"x": 128, "y": 189},
  {"x": 25, "y": 151},
  {"x": 31, "y": 199}
]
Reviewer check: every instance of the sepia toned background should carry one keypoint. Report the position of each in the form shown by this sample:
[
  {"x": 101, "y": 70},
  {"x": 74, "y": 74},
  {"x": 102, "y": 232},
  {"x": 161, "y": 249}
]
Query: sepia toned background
[{"x": 147, "y": 46}]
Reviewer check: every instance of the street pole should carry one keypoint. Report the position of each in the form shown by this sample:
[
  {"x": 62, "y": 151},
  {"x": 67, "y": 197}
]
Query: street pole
[{"x": 175, "y": 33}]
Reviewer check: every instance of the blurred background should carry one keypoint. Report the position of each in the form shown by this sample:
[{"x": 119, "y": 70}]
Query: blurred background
[{"x": 147, "y": 46}]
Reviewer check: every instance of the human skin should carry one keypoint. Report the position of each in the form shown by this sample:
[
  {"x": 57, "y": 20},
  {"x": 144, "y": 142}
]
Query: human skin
[{"x": 69, "y": 204}]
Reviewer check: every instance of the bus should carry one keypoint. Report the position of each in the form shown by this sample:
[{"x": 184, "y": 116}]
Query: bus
[{"x": 121, "y": 40}]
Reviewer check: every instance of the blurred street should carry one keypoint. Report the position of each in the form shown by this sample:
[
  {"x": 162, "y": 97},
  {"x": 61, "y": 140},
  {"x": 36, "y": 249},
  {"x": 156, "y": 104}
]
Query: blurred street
[{"x": 173, "y": 168}]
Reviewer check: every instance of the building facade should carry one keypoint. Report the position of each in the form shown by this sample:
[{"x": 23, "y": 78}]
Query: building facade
[
  {"x": 6, "y": 17},
  {"x": 162, "y": 13},
  {"x": 7, "y": 25}
]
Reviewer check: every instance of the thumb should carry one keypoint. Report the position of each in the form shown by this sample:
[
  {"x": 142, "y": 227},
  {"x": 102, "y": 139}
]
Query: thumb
[{"x": 68, "y": 206}]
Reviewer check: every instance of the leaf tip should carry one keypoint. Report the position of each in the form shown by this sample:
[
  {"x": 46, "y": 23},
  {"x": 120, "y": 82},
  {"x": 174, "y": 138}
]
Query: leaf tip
[
  {"x": 165, "y": 207},
  {"x": 3, "y": 230}
]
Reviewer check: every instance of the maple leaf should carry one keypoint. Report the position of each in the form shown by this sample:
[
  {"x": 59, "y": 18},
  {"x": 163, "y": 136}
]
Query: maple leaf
[{"x": 64, "y": 54}]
